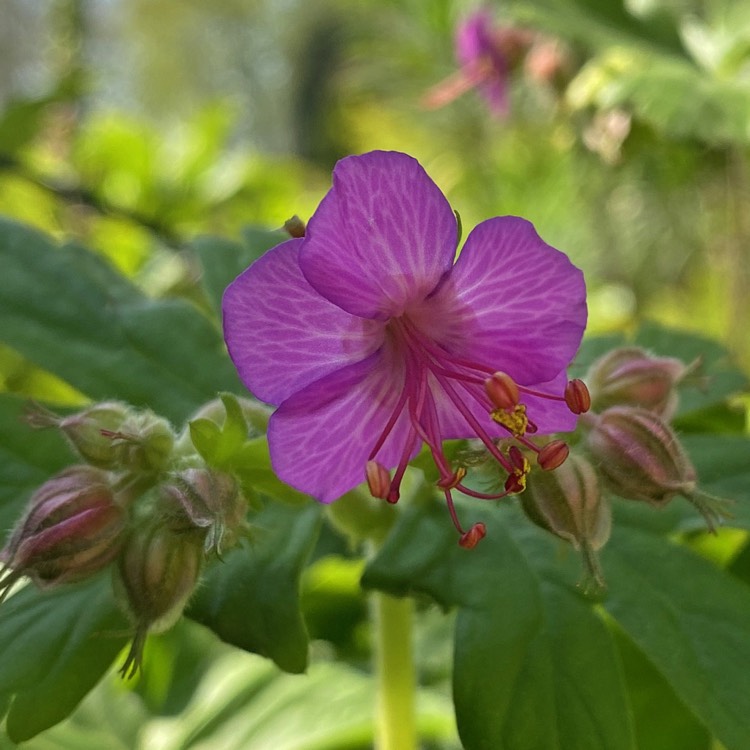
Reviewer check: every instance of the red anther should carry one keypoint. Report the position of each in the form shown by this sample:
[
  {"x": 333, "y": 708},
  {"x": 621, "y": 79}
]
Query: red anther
[
  {"x": 553, "y": 455},
  {"x": 473, "y": 536},
  {"x": 378, "y": 480},
  {"x": 577, "y": 396},
  {"x": 517, "y": 458},
  {"x": 450, "y": 482},
  {"x": 515, "y": 484},
  {"x": 393, "y": 495},
  {"x": 502, "y": 390}
]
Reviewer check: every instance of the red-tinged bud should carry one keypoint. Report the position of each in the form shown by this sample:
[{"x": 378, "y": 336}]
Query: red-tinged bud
[
  {"x": 206, "y": 499},
  {"x": 378, "y": 479},
  {"x": 473, "y": 536},
  {"x": 294, "y": 226},
  {"x": 630, "y": 376},
  {"x": 84, "y": 430},
  {"x": 642, "y": 459},
  {"x": 640, "y": 456},
  {"x": 568, "y": 503},
  {"x": 157, "y": 572},
  {"x": 577, "y": 396},
  {"x": 72, "y": 528},
  {"x": 553, "y": 455},
  {"x": 502, "y": 391}
]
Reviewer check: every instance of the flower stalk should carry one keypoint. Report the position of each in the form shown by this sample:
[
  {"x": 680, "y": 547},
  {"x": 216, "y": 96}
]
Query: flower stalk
[{"x": 395, "y": 727}]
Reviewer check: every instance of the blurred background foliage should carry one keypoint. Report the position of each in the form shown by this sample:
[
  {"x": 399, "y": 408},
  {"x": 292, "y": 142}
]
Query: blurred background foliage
[{"x": 134, "y": 126}]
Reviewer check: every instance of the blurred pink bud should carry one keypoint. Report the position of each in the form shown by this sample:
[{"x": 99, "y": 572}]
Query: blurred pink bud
[
  {"x": 72, "y": 528},
  {"x": 630, "y": 376}
]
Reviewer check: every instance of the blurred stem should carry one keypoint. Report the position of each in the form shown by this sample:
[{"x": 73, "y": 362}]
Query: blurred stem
[{"x": 394, "y": 671}]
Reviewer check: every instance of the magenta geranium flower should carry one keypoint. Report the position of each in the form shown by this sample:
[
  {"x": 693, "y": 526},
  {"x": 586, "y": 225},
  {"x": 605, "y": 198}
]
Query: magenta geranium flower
[
  {"x": 485, "y": 54},
  {"x": 372, "y": 342}
]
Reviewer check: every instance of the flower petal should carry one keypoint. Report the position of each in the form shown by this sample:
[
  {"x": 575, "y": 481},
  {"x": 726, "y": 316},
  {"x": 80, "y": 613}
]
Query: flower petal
[
  {"x": 382, "y": 237},
  {"x": 320, "y": 438},
  {"x": 282, "y": 334},
  {"x": 511, "y": 302}
]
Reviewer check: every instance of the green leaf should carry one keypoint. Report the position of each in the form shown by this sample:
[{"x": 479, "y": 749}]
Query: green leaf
[
  {"x": 662, "y": 721},
  {"x": 251, "y": 599},
  {"x": 205, "y": 435},
  {"x": 68, "y": 311},
  {"x": 27, "y": 458},
  {"x": 534, "y": 665},
  {"x": 58, "y": 646},
  {"x": 253, "y": 466},
  {"x": 690, "y": 620}
]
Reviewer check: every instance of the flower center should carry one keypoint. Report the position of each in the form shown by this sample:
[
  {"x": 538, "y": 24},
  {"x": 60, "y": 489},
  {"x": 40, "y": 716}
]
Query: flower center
[{"x": 450, "y": 397}]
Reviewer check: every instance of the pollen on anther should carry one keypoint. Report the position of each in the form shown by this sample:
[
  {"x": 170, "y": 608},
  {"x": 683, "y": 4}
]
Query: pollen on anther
[
  {"x": 450, "y": 482},
  {"x": 515, "y": 421}
]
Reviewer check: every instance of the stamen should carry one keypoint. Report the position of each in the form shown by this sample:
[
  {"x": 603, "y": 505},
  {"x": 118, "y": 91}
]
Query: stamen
[
  {"x": 378, "y": 479},
  {"x": 553, "y": 455},
  {"x": 473, "y": 536},
  {"x": 577, "y": 396},
  {"x": 502, "y": 391}
]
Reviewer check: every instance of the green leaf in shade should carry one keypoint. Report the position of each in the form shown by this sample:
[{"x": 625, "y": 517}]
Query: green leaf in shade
[
  {"x": 690, "y": 620},
  {"x": 662, "y": 721},
  {"x": 534, "y": 666},
  {"x": 223, "y": 260},
  {"x": 69, "y": 312},
  {"x": 28, "y": 457},
  {"x": 251, "y": 599},
  {"x": 57, "y": 646}
]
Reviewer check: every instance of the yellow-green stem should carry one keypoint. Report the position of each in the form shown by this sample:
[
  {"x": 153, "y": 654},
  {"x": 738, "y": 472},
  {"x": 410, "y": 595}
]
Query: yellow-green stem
[{"x": 394, "y": 670}]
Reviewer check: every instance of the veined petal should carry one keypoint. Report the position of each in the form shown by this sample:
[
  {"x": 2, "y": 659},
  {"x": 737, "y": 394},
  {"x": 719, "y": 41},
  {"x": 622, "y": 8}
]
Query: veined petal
[
  {"x": 320, "y": 438},
  {"x": 382, "y": 238},
  {"x": 282, "y": 334},
  {"x": 512, "y": 302}
]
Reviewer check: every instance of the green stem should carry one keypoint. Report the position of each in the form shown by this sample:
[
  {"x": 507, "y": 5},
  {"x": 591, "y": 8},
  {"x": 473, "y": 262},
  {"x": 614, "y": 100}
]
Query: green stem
[{"x": 394, "y": 666}]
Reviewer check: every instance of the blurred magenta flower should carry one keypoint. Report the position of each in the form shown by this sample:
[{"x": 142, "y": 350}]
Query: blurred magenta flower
[
  {"x": 485, "y": 53},
  {"x": 372, "y": 342}
]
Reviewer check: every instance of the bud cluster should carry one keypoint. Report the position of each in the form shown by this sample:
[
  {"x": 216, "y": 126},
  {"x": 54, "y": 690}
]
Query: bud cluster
[
  {"x": 628, "y": 449},
  {"x": 141, "y": 503}
]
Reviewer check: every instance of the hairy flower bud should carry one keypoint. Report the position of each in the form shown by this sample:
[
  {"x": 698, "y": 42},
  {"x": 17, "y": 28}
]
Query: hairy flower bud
[
  {"x": 568, "y": 503},
  {"x": 640, "y": 456},
  {"x": 157, "y": 572},
  {"x": 72, "y": 528},
  {"x": 84, "y": 430},
  {"x": 630, "y": 376},
  {"x": 144, "y": 442},
  {"x": 206, "y": 499}
]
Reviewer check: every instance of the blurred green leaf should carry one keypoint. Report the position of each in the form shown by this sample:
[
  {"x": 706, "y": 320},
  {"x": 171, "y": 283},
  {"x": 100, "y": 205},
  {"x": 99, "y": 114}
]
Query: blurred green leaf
[
  {"x": 251, "y": 598},
  {"x": 690, "y": 620},
  {"x": 69, "y": 312},
  {"x": 534, "y": 665},
  {"x": 58, "y": 644},
  {"x": 27, "y": 458},
  {"x": 662, "y": 722}
]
